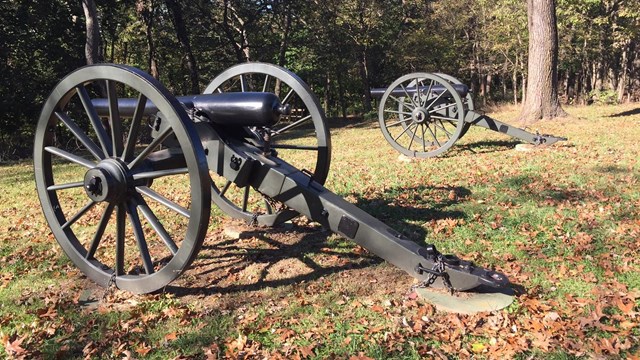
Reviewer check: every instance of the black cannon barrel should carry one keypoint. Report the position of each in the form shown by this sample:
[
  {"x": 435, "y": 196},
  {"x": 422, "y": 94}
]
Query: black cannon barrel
[
  {"x": 229, "y": 109},
  {"x": 461, "y": 89}
]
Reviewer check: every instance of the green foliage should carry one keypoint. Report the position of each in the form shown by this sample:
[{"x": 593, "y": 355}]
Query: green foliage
[
  {"x": 40, "y": 41},
  {"x": 604, "y": 97},
  {"x": 340, "y": 47}
]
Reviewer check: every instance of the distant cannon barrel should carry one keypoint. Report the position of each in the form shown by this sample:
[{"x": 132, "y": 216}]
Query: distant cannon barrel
[
  {"x": 229, "y": 109},
  {"x": 461, "y": 89}
]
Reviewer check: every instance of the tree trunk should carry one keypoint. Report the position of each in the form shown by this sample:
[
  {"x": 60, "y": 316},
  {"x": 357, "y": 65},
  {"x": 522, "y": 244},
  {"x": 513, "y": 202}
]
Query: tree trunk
[
  {"x": 284, "y": 42},
  {"x": 632, "y": 70},
  {"x": 153, "y": 62},
  {"x": 327, "y": 89},
  {"x": 343, "y": 100},
  {"x": 578, "y": 88},
  {"x": 183, "y": 37},
  {"x": 503, "y": 81},
  {"x": 125, "y": 52},
  {"x": 622, "y": 82},
  {"x": 524, "y": 89},
  {"x": 92, "y": 45},
  {"x": 113, "y": 47},
  {"x": 145, "y": 9},
  {"x": 542, "y": 88},
  {"x": 514, "y": 81},
  {"x": 364, "y": 77},
  {"x": 240, "y": 47}
]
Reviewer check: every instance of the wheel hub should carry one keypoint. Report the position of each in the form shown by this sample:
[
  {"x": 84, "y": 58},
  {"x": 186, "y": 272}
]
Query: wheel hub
[
  {"x": 108, "y": 181},
  {"x": 420, "y": 115}
]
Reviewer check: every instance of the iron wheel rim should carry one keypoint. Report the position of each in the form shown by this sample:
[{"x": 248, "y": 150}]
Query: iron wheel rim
[
  {"x": 296, "y": 90},
  {"x": 169, "y": 253},
  {"x": 420, "y": 118}
]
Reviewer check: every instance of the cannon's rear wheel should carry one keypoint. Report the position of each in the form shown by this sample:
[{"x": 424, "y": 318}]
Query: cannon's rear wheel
[
  {"x": 301, "y": 138},
  {"x": 467, "y": 101},
  {"x": 422, "y": 123},
  {"x": 126, "y": 209}
]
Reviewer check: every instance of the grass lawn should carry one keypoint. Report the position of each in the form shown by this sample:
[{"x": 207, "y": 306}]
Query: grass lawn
[{"x": 562, "y": 222}]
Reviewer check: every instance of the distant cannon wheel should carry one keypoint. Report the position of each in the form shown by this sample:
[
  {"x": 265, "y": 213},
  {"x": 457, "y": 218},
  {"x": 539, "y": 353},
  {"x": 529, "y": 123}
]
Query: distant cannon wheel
[
  {"x": 126, "y": 210},
  {"x": 300, "y": 138},
  {"x": 421, "y": 115},
  {"x": 467, "y": 101}
]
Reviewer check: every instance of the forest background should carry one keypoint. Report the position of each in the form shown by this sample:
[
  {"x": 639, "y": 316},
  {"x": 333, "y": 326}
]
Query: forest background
[{"x": 340, "y": 47}]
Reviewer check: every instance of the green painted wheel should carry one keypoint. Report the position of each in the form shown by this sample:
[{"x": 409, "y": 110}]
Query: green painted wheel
[
  {"x": 301, "y": 138},
  {"x": 467, "y": 101},
  {"x": 424, "y": 120},
  {"x": 125, "y": 208}
]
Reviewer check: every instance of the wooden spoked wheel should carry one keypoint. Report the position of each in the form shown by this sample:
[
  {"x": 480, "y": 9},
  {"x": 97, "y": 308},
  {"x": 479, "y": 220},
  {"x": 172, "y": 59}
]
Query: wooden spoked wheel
[
  {"x": 421, "y": 115},
  {"x": 126, "y": 198},
  {"x": 301, "y": 138}
]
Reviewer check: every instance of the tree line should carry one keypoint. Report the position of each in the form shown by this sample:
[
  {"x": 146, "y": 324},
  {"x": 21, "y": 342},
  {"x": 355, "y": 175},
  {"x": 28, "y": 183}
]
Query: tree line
[{"x": 340, "y": 47}]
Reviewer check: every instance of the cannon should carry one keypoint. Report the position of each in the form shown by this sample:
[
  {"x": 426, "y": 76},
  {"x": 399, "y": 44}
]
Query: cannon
[
  {"x": 423, "y": 114},
  {"x": 126, "y": 174}
]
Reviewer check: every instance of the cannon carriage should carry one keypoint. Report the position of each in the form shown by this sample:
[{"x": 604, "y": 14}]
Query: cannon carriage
[
  {"x": 126, "y": 174},
  {"x": 422, "y": 115}
]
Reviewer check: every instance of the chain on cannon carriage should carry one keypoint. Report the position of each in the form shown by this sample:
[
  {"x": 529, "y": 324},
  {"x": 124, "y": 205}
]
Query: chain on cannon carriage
[{"x": 126, "y": 172}]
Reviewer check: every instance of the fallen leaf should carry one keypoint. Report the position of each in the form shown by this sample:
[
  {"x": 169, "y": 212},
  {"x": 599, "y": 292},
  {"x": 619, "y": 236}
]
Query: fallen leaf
[
  {"x": 477, "y": 347},
  {"x": 347, "y": 340},
  {"x": 13, "y": 347},
  {"x": 306, "y": 351},
  {"x": 360, "y": 356},
  {"x": 143, "y": 349},
  {"x": 625, "y": 308}
]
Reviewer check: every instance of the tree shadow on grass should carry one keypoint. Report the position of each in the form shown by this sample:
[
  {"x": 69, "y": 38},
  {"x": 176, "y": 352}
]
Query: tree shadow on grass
[
  {"x": 533, "y": 187},
  {"x": 611, "y": 169},
  {"x": 406, "y": 209},
  {"x": 525, "y": 188}
]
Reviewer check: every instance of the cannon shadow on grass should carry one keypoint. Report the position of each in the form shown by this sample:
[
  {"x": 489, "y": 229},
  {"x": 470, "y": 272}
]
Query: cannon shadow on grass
[
  {"x": 262, "y": 251},
  {"x": 627, "y": 113},
  {"x": 480, "y": 147}
]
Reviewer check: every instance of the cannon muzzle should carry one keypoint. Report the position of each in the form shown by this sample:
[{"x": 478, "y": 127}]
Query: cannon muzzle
[{"x": 228, "y": 109}]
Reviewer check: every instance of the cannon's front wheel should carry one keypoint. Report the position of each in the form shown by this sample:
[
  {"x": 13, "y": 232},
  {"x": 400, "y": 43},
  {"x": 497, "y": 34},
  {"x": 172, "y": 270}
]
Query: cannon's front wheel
[
  {"x": 421, "y": 115},
  {"x": 301, "y": 137},
  {"x": 127, "y": 199}
]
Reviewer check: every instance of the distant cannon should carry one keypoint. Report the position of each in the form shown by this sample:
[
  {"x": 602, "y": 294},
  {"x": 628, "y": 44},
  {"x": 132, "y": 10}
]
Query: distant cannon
[
  {"x": 126, "y": 174},
  {"x": 422, "y": 115}
]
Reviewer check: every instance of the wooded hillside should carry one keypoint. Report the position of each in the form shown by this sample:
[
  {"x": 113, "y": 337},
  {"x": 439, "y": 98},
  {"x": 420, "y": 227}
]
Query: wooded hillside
[{"x": 340, "y": 47}]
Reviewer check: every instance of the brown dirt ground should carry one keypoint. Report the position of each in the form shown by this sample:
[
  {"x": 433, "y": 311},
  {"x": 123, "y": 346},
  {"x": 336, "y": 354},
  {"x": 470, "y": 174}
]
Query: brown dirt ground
[{"x": 240, "y": 265}]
